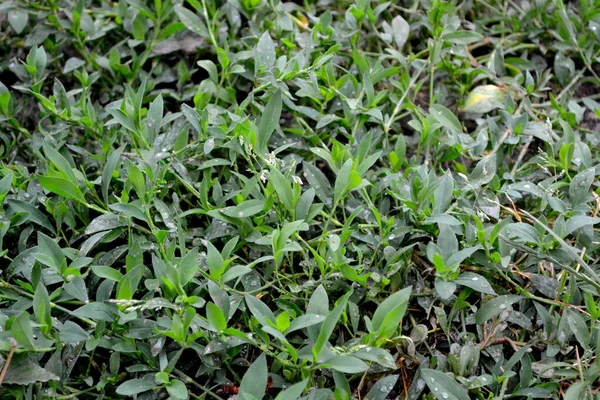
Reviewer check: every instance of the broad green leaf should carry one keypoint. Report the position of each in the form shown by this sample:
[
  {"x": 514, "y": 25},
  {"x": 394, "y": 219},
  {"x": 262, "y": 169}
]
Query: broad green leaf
[
  {"x": 494, "y": 307},
  {"x": 60, "y": 162},
  {"x": 293, "y": 392},
  {"x": 18, "y": 19},
  {"x": 254, "y": 381},
  {"x": 35, "y": 215},
  {"x": 62, "y": 187},
  {"x": 260, "y": 310},
  {"x": 21, "y": 330},
  {"x": 49, "y": 253},
  {"x": 579, "y": 328},
  {"x": 41, "y": 307},
  {"x": 446, "y": 118},
  {"x": 191, "y": 21},
  {"x": 382, "y": 388},
  {"x": 390, "y": 312},
  {"x": 245, "y": 209},
  {"x": 188, "y": 266},
  {"x": 23, "y": 371},
  {"x": 475, "y": 282},
  {"x": 442, "y": 386},
  {"x": 177, "y": 389},
  {"x": 70, "y": 332},
  {"x": 134, "y": 386},
  {"x": 347, "y": 364}
]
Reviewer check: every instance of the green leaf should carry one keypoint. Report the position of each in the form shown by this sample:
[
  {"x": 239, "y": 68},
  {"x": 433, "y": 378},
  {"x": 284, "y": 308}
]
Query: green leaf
[
  {"x": 576, "y": 391},
  {"x": 245, "y": 209},
  {"x": 41, "y": 307},
  {"x": 177, "y": 389},
  {"x": 22, "y": 332},
  {"x": 382, "y": 388},
  {"x": 70, "y": 332},
  {"x": 390, "y": 312},
  {"x": 59, "y": 162},
  {"x": 216, "y": 264},
  {"x": 446, "y": 118},
  {"x": 269, "y": 120},
  {"x": 260, "y": 310},
  {"x": 475, "y": 282},
  {"x": 107, "y": 171},
  {"x": 254, "y": 381},
  {"x": 35, "y": 215},
  {"x": 346, "y": 180},
  {"x": 494, "y": 307},
  {"x": 579, "y": 189},
  {"x": 264, "y": 53},
  {"x": 462, "y": 37},
  {"x": 191, "y": 21},
  {"x": 442, "y": 386},
  {"x": 49, "y": 253},
  {"x": 329, "y": 325},
  {"x": 283, "y": 188},
  {"x": 215, "y": 317},
  {"x": 347, "y": 364},
  {"x": 188, "y": 266},
  {"x": 579, "y": 328},
  {"x": 304, "y": 321},
  {"x": 62, "y": 187},
  {"x": 107, "y": 272},
  {"x": 134, "y": 386},
  {"x": 18, "y": 19},
  {"x": 23, "y": 371},
  {"x": 293, "y": 392},
  {"x": 128, "y": 285}
]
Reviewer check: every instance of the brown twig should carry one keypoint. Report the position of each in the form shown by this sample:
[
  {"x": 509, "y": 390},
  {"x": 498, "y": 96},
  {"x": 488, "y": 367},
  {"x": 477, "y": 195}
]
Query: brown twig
[{"x": 7, "y": 363}]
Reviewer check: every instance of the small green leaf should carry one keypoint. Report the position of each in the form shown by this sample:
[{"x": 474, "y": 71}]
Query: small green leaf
[
  {"x": 269, "y": 120},
  {"x": 283, "y": 188},
  {"x": 21, "y": 330},
  {"x": 215, "y": 317},
  {"x": 216, "y": 264},
  {"x": 107, "y": 171}
]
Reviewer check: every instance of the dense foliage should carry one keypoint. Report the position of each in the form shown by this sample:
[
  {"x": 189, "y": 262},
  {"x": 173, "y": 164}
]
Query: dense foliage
[{"x": 319, "y": 200}]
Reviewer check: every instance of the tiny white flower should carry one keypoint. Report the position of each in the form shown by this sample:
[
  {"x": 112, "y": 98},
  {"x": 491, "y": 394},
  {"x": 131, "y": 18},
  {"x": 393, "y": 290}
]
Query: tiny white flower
[
  {"x": 297, "y": 180},
  {"x": 264, "y": 175}
]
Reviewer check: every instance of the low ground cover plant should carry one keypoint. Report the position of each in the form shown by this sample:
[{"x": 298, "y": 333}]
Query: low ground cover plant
[{"x": 258, "y": 199}]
